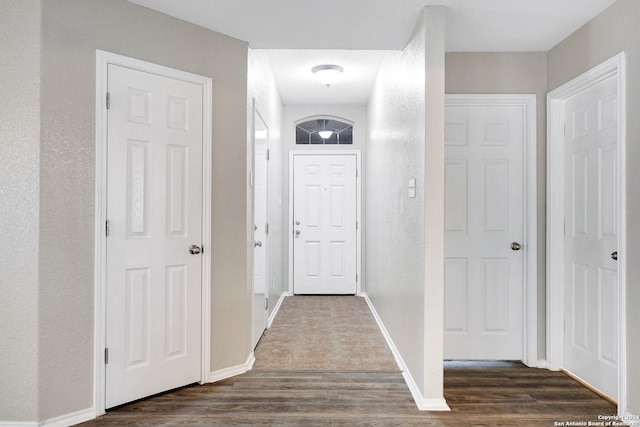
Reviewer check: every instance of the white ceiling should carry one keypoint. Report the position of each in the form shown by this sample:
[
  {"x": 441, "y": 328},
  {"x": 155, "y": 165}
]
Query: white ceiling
[{"x": 352, "y": 25}]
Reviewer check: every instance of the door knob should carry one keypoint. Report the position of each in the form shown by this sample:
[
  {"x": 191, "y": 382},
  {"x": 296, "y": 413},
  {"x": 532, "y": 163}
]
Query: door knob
[
  {"x": 297, "y": 222},
  {"x": 297, "y": 233},
  {"x": 257, "y": 245},
  {"x": 194, "y": 249},
  {"x": 614, "y": 255},
  {"x": 515, "y": 246}
]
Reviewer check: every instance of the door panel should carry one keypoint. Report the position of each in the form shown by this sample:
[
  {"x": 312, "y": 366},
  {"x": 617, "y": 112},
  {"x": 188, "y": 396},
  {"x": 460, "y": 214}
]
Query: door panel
[
  {"x": 261, "y": 227},
  {"x": 591, "y": 153},
  {"x": 154, "y": 207},
  {"x": 483, "y": 216},
  {"x": 324, "y": 224}
]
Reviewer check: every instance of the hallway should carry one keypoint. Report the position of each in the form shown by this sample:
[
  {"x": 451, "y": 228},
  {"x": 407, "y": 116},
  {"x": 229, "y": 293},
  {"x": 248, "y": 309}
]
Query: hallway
[{"x": 326, "y": 393}]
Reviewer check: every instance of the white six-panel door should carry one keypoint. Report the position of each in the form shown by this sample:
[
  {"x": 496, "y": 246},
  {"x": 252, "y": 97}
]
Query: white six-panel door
[
  {"x": 154, "y": 208},
  {"x": 484, "y": 196},
  {"x": 324, "y": 214},
  {"x": 261, "y": 231},
  {"x": 591, "y": 236}
]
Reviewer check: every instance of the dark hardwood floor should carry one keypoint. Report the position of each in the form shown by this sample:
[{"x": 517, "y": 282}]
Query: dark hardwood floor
[{"x": 499, "y": 394}]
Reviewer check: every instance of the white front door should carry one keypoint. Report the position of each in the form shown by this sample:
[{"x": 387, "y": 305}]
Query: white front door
[
  {"x": 591, "y": 236},
  {"x": 484, "y": 250},
  {"x": 324, "y": 215},
  {"x": 261, "y": 227},
  {"x": 154, "y": 209}
]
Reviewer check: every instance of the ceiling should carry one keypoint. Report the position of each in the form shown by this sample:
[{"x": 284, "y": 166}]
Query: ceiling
[{"x": 342, "y": 26}]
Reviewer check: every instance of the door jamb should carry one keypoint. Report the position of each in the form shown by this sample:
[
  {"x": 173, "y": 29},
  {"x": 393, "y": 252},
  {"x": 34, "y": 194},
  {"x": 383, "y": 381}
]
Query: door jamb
[
  {"x": 357, "y": 153},
  {"x": 103, "y": 59},
  {"x": 555, "y": 214},
  {"x": 527, "y": 103}
]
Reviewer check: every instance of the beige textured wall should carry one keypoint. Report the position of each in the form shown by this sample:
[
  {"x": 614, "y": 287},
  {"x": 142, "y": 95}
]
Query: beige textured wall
[
  {"x": 19, "y": 208},
  {"x": 71, "y": 32},
  {"x": 518, "y": 73},
  {"x": 613, "y": 31}
]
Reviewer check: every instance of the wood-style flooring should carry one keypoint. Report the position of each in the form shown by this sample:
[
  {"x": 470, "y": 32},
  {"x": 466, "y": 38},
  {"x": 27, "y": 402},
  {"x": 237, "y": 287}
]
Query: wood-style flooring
[{"x": 305, "y": 375}]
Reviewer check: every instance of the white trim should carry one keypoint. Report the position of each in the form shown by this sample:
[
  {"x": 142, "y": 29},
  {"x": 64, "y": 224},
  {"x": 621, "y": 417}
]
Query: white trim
[
  {"x": 276, "y": 308},
  {"x": 555, "y": 214},
  {"x": 357, "y": 153},
  {"x": 232, "y": 371},
  {"x": 423, "y": 404},
  {"x": 70, "y": 419},
  {"x": 103, "y": 59},
  {"x": 527, "y": 103}
]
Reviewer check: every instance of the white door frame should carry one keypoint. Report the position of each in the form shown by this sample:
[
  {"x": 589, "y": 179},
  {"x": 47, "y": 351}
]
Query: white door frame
[
  {"x": 527, "y": 103},
  {"x": 103, "y": 60},
  {"x": 556, "y": 214},
  {"x": 294, "y": 153}
]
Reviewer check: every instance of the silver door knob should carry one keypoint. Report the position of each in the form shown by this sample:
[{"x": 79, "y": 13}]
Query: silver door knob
[
  {"x": 297, "y": 222},
  {"x": 257, "y": 245},
  {"x": 194, "y": 249},
  {"x": 297, "y": 233},
  {"x": 515, "y": 246},
  {"x": 614, "y": 255}
]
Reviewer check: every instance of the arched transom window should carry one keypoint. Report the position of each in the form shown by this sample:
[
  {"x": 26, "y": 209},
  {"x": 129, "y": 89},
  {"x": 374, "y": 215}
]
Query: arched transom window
[{"x": 324, "y": 131}]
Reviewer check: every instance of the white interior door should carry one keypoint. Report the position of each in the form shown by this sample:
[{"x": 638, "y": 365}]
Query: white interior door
[
  {"x": 591, "y": 236},
  {"x": 484, "y": 251},
  {"x": 154, "y": 209},
  {"x": 324, "y": 215},
  {"x": 261, "y": 228}
]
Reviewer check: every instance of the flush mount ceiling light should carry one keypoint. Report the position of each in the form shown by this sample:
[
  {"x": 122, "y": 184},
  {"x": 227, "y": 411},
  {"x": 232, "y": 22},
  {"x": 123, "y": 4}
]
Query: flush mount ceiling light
[
  {"x": 327, "y": 74},
  {"x": 325, "y": 134}
]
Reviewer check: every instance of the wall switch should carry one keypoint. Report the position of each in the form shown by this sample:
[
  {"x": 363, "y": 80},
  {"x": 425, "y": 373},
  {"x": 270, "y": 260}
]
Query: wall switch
[{"x": 412, "y": 188}]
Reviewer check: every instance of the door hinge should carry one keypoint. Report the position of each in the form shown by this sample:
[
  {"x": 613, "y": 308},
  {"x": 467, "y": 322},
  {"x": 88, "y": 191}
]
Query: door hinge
[
  {"x": 108, "y": 100},
  {"x": 268, "y": 154},
  {"x": 106, "y": 355},
  {"x": 266, "y": 229},
  {"x": 266, "y": 303},
  {"x": 106, "y": 231}
]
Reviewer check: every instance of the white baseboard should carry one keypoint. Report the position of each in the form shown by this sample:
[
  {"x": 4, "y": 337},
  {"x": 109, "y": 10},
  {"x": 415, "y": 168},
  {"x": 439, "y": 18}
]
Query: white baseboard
[
  {"x": 423, "y": 404},
  {"x": 65, "y": 420},
  {"x": 70, "y": 419},
  {"x": 283, "y": 295},
  {"x": 223, "y": 374}
]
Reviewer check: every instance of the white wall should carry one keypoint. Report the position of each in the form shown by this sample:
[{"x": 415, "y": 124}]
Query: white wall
[
  {"x": 293, "y": 113},
  {"x": 262, "y": 87},
  {"x": 404, "y": 239},
  {"x": 20, "y": 31},
  {"x": 614, "y": 30}
]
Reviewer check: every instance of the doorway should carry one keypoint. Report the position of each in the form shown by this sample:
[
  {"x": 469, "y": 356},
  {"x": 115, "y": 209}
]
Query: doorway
[
  {"x": 324, "y": 214},
  {"x": 153, "y": 149},
  {"x": 261, "y": 225},
  {"x": 490, "y": 223},
  {"x": 586, "y": 229}
]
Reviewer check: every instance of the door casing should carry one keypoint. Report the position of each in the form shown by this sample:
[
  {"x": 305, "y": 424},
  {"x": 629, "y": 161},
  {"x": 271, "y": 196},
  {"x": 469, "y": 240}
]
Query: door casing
[
  {"x": 294, "y": 153},
  {"x": 527, "y": 103},
  {"x": 556, "y": 214},
  {"x": 103, "y": 59}
]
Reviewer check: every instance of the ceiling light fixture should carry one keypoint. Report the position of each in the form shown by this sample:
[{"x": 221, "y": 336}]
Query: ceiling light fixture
[
  {"x": 325, "y": 134},
  {"x": 327, "y": 74}
]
